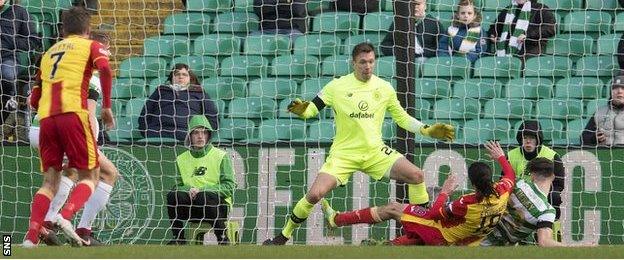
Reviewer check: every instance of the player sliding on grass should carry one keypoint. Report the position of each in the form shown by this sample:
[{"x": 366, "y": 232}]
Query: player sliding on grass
[
  {"x": 528, "y": 210},
  {"x": 359, "y": 101},
  {"x": 60, "y": 97},
  {"x": 465, "y": 221},
  {"x": 108, "y": 172}
]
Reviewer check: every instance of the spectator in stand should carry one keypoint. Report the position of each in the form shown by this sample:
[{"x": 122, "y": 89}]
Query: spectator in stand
[
  {"x": 287, "y": 17},
  {"x": 606, "y": 127},
  {"x": 17, "y": 33},
  {"x": 620, "y": 52},
  {"x": 522, "y": 29},
  {"x": 428, "y": 30},
  {"x": 168, "y": 109},
  {"x": 358, "y": 6},
  {"x": 464, "y": 37}
]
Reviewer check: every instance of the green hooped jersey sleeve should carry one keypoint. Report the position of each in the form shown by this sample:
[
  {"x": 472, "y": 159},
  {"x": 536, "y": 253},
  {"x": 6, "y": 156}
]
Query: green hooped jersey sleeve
[{"x": 359, "y": 111}]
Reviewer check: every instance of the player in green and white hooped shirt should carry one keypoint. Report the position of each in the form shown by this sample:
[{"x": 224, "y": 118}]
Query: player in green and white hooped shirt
[
  {"x": 108, "y": 172},
  {"x": 528, "y": 209},
  {"x": 360, "y": 101}
]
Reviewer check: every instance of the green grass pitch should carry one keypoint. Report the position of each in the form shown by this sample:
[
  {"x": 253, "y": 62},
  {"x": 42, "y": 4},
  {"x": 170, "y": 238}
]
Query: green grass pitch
[{"x": 299, "y": 251}]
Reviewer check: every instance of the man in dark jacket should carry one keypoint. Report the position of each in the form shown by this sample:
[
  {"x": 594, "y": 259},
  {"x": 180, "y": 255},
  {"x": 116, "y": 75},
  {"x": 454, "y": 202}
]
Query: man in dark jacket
[
  {"x": 428, "y": 30},
  {"x": 168, "y": 109},
  {"x": 606, "y": 127},
  {"x": 530, "y": 138},
  {"x": 524, "y": 28},
  {"x": 282, "y": 16},
  {"x": 17, "y": 33}
]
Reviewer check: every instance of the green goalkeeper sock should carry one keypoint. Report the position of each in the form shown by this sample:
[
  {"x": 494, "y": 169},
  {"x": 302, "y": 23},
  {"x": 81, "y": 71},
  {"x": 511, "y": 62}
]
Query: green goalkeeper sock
[
  {"x": 417, "y": 193},
  {"x": 299, "y": 214}
]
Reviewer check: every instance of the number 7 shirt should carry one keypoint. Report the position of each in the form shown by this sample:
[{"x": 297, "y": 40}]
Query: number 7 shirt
[{"x": 64, "y": 74}]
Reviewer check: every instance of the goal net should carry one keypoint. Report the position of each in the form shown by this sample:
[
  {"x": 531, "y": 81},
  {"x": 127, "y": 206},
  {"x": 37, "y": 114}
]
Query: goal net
[{"x": 251, "y": 73}]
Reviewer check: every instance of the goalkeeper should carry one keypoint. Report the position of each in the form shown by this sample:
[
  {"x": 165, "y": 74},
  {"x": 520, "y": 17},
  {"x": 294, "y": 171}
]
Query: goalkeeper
[{"x": 359, "y": 101}]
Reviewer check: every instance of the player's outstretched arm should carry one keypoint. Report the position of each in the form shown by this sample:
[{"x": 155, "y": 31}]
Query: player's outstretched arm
[
  {"x": 440, "y": 131},
  {"x": 305, "y": 109}
]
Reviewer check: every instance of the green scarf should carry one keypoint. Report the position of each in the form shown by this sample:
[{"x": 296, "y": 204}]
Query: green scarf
[
  {"x": 469, "y": 43},
  {"x": 509, "y": 39}
]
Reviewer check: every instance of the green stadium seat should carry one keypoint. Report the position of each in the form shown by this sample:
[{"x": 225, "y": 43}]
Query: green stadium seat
[
  {"x": 573, "y": 131},
  {"x": 202, "y": 66},
  {"x": 559, "y": 108},
  {"x": 578, "y": 87},
  {"x": 478, "y": 131},
  {"x": 166, "y": 45},
  {"x": 477, "y": 88},
  {"x": 244, "y": 66},
  {"x": 272, "y": 130},
  {"x": 221, "y": 107},
  {"x": 432, "y": 88},
  {"x": 236, "y": 22},
  {"x": 274, "y": 44},
  {"x": 423, "y": 109},
  {"x": 488, "y": 18},
  {"x": 244, "y": 6},
  {"x": 593, "y": 105},
  {"x": 253, "y": 107},
  {"x": 495, "y": 5},
  {"x": 372, "y": 38},
  {"x": 443, "y": 5},
  {"x": 118, "y": 106},
  {"x": 126, "y": 88},
  {"x": 47, "y": 11},
  {"x": 597, "y": 66},
  {"x": 158, "y": 141},
  {"x": 235, "y": 128},
  {"x": 317, "y": 45},
  {"x": 126, "y": 129},
  {"x": 342, "y": 24},
  {"x": 143, "y": 67},
  {"x": 217, "y": 45},
  {"x": 387, "y": 5},
  {"x": 531, "y": 88},
  {"x": 297, "y": 66},
  {"x": 134, "y": 107},
  {"x": 607, "y": 44},
  {"x": 311, "y": 87},
  {"x": 602, "y": 5},
  {"x": 591, "y": 22},
  {"x": 508, "y": 108},
  {"x": 187, "y": 24},
  {"x": 446, "y": 67},
  {"x": 388, "y": 129},
  {"x": 456, "y": 108},
  {"x": 497, "y": 67},
  {"x": 548, "y": 66},
  {"x": 570, "y": 45},
  {"x": 338, "y": 65},
  {"x": 321, "y": 131},
  {"x": 317, "y": 5},
  {"x": 445, "y": 17},
  {"x": 378, "y": 22},
  {"x": 385, "y": 67},
  {"x": 275, "y": 88},
  {"x": 552, "y": 129},
  {"x": 225, "y": 87},
  {"x": 208, "y": 5},
  {"x": 618, "y": 25},
  {"x": 558, "y": 5}
]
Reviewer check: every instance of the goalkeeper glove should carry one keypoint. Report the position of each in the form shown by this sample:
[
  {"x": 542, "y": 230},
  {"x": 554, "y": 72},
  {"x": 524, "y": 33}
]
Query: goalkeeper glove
[
  {"x": 444, "y": 132},
  {"x": 298, "y": 106}
]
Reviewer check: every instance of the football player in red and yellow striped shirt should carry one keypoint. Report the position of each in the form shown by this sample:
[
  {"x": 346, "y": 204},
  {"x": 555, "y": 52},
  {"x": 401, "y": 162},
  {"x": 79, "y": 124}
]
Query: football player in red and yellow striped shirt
[
  {"x": 65, "y": 129},
  {"x": 464, "y": 221}
]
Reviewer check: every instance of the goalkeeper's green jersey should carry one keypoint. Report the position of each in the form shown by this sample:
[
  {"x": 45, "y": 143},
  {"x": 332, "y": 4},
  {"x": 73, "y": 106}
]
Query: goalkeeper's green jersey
[
  {"x": 528, "y": 210},
  {"x": 359, "y": 111}
]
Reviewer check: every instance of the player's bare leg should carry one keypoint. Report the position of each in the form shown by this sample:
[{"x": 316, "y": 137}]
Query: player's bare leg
[
  {"x": 405, "y": 171},
  {"x": 321, "y": 186},
  {"x": 98, "y": 200},
  {"x": 40, "y": 204}
]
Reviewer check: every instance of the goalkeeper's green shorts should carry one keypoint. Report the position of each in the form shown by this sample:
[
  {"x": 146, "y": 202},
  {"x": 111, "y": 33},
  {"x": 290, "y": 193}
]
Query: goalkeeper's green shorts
[{"x": 376, "y": 164}]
